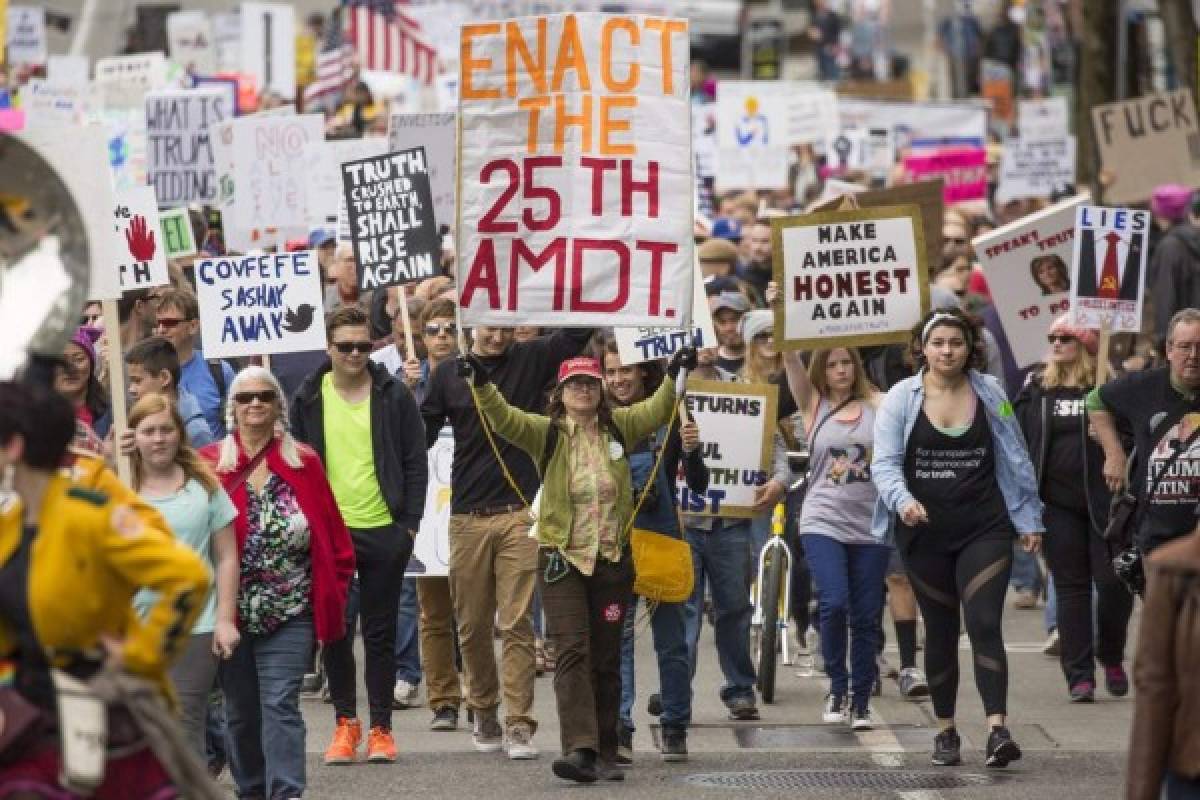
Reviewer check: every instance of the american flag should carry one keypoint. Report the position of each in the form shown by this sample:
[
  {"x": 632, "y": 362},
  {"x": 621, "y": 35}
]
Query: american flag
[
  {"x": 389, "y": 40},
  {"x": 334, "y": 69}
]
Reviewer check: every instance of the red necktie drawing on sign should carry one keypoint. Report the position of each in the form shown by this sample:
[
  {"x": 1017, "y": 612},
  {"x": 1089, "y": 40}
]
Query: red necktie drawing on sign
[
  {"x": 140, "y": 239},
  {"x": 1109, "y": 288}
]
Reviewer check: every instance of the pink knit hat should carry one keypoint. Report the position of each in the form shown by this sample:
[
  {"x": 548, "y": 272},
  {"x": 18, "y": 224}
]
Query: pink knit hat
[
  {"x": 1088, "y": 338},
  {"x": 1171, "y": 201}
]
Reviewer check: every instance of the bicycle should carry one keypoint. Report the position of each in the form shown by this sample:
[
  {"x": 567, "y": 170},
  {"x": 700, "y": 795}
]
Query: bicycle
[{"x": 771, "y": 596}]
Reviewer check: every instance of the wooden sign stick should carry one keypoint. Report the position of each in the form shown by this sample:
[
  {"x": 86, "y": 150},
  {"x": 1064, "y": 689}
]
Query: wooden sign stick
[
  {"x": 115, "y": 359},
  {"x": 409, "y": 352},
  {"x": 1102, "y": 351}
]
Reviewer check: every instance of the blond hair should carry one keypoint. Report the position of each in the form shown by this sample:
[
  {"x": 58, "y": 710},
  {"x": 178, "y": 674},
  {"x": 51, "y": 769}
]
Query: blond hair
[
  {"x": 1079, "y": 374},
  {"x": 228, "y": 458},
  {"x": 186, "y": 456}
]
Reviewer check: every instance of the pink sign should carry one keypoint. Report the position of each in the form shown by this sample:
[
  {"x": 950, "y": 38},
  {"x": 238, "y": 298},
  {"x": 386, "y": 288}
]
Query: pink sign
[
  {"x": 964, "y": 170},
  {"x": 12, "y": 120}
]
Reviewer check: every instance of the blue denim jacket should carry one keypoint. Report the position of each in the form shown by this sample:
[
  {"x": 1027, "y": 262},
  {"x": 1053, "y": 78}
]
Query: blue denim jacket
[{"x": 893, "y": 425}]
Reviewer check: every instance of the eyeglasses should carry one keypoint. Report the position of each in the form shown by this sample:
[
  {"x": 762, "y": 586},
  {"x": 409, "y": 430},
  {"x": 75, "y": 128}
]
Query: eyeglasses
[
  {"x": 581, "y": 383},
  {"x": 1060, "y": 338},
  {"x": 1191, "y": 348},
  {"x": 346, "y": 348},
  {"x": 90, "y": 319},
  {"x": 266, "y": 396},
  {"x": 167, "y": 323},
  {"x": 448, "y": 328}
]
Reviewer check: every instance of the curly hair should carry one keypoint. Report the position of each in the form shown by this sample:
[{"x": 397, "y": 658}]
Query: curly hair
[
  {"x": 556, "y": 411},
  {"x": 951, "y": 318}
]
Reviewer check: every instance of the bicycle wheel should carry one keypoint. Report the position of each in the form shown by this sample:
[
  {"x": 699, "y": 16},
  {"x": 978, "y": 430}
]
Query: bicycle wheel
[{"x": 768, "y": 650}]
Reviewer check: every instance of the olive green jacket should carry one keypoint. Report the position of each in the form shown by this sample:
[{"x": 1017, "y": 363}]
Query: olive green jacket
[{"x": 528, "y": 432}]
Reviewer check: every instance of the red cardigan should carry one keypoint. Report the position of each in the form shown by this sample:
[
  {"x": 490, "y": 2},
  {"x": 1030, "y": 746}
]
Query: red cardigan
[{"x": 332, "y": 552}]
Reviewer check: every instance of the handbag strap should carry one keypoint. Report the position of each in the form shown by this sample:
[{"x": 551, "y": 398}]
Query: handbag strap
[
  {"x": 244, "y": 474},
  {"x": 817, "y": 428},
  {"x": 653, "y": 473}
]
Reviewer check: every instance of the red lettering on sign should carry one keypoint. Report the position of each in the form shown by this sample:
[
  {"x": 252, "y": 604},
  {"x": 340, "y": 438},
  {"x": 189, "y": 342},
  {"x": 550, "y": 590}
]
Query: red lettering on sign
[{"x": 582, "y": 246}]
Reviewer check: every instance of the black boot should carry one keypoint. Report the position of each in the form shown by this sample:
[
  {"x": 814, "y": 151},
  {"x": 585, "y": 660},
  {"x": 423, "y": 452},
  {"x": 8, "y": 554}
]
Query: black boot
[{"x": 578, "y": 766}]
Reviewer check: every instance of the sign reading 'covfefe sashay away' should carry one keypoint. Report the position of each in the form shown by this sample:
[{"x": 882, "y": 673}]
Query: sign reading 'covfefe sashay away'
[
  {"x": 1108, "y": 275},
  {"x": 737, "y": 424},
  {"x": 390, "y": 208},
  {"x": 575, "y": 182},
  {"x": 1148, "y": 141},
  {"x": 260, "y": 305},
  {"x": 849, "y": 278},
  {"x": 179, "y": 153}
]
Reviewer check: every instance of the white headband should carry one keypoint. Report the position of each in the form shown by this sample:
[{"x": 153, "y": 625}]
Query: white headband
[{"x": 938, "y": 316}]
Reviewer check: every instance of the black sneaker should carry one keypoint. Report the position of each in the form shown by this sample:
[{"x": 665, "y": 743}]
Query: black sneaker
[
  {"x": 674, "y": 744},
  {"x": 654, "y": 705},
  {"x": 444, "y": 719},
  {"x": 946, "y": 749},
  {"x": 1001, "y": 749},
  {"x": 624, "y": 745},
  {"x": 578, "y": 766},
  {"x": 742, "y": 707},
  {"x": 608, "y": 771}
]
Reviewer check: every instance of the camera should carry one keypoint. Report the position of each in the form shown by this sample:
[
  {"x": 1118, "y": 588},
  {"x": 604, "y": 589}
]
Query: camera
[{"x": 1130, "y": 569}]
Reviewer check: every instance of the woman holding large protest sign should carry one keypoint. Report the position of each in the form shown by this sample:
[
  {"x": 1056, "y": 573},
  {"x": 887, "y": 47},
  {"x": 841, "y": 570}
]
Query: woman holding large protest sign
[
  {"x": 1050, "y": 409},
  {"x": 950, "y": 463},
  {"x": 584, "y": 520}
]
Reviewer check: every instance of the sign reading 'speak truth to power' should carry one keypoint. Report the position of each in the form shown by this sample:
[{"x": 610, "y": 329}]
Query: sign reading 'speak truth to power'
[{"x": 1146, "y": 142}]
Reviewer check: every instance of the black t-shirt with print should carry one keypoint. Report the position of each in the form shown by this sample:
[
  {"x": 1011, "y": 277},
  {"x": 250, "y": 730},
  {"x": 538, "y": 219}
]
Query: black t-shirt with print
[
  {"x": 1064, "y": 470},
  {"x": 1149, "y": 403}
]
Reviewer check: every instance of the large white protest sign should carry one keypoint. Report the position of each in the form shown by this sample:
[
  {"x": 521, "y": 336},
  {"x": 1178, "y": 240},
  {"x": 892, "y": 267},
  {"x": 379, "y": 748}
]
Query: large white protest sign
[
  {"x": 1108, "y": 273},
  {"x": 1146, "y": 142},
  {"x": 26, "y": 36},
  {"x": 48, "y": 103},
  {"x": 67, "y": 70},
  {"x": 431, "y": 549},
  {"x": 268, "y": 39},
  {"x": 575, "y": 195},
  {"x": 323, "y": 161},
  {"x": 437, "y": 133},
  {"x": 1036, "y": 167},
  {"x": 812, "y": 116},
  {"x": 849, "y": 278},
  {"x": 1027, "y": 265},
  {"x": 635, "y": 345},
  {"x": 752, "y": 135},
  {"x": 179, "y": 155},
  {"x": 1045, "y": 118},
  {"x": 227, "y": 40},
  {"x": 139, "y": 240},
  {"x": 931, "y": 122},
  {"x": 123, "y": 81},
  {"x": 190, "y": 41},
  {"x": 260, "y": 304},
  {"x": 268, "y": 167},
  {"x": 737, "y": 426}
]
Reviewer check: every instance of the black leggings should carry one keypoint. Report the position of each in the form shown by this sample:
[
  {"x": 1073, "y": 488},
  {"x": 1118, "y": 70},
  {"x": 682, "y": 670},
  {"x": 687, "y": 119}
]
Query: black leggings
[
  {"x": 1077, "y": 557},
  {"x": 977, "y": 576}
]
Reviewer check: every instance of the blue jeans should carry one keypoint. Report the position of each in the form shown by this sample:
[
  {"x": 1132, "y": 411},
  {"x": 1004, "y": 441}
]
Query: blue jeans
[
  {"x": 1177, "y": 787},
  {"x": 265, "y": 738},
  {"x": 849, "y": 581},
  {"x": 724, "y": 556},
  {"x": 1026, "y": 574},
  {"x": 408, "y": 646},
  {"x": 1050, "y": 616},
  {"x": 669, "y": 627}
]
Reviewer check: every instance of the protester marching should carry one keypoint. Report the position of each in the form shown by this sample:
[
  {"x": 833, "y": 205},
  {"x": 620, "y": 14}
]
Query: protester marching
[{"x": 502, "y": 347}]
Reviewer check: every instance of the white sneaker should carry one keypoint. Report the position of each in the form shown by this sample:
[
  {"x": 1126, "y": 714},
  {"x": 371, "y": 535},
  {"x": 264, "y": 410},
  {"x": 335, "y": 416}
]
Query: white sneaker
[
  {"x": 518, "y": 744},
  {"x": 404, "y": 695},
  {"x": 862, "y": 720},
  {"x": 487, "y": 736},
  {"x": 836, "y": 710}
]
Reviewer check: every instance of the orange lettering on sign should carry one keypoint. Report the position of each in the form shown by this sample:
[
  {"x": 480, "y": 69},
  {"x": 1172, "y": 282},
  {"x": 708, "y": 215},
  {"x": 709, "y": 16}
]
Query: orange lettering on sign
[
  {"x": 516, "y": 47},
  {"x": 534, "y": 106},
  {"x": 665, "y": 28},
  {"x": 610, "y": 125},
  {"x": 606, "y": 56},
  {"x": 563, "y": 120},
  {"x": 570, "y": 57},
  {"x": 470, "y": 64}
]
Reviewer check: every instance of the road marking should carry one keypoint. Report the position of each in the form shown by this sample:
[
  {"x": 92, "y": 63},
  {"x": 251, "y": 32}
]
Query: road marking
[{"x": 886, "y": 751}]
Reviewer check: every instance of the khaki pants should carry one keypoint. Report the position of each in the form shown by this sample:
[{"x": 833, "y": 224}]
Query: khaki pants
[
  {"x": 492, "y": 566},
  {"x": 442, "y": 685}
]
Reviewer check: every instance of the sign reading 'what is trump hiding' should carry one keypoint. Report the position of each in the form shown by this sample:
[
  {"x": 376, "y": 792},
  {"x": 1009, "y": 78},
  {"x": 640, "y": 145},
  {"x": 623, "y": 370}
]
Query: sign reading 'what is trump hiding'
[{"x": 575, "y": 181}]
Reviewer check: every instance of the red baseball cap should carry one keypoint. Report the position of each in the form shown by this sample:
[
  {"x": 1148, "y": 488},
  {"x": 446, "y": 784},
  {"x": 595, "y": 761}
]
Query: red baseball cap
[{"x": 583, "y": 365}]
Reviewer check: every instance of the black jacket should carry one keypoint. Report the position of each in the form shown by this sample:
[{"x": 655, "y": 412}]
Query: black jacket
[
  {"x": 1173, "y": 276},
  {"x": 397, "y": 438}
]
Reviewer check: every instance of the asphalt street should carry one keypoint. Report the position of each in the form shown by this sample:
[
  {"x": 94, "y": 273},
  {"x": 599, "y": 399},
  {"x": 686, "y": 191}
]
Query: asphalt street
[{"x": 1071, "y": 751}]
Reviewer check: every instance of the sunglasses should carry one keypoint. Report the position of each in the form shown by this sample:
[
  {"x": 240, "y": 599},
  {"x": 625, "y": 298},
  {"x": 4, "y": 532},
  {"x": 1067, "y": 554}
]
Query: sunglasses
[
  {"x": 346, "y": 348},
  {"x": 448, "y": 328},
  {"x": 168, "y": 323},
  {"x": 266, "y": 396},
  {"x": 1060, "y": 338}
]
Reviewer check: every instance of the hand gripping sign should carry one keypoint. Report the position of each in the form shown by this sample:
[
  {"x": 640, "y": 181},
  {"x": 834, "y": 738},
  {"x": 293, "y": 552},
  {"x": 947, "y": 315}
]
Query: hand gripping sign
[{"x": 575, "y": 180}]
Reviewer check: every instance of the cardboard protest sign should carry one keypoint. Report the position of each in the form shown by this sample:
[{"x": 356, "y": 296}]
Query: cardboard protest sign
[
  {"x": 752, "y": 135},
  {"x": 1028, "y": 275},
  {"x": 26, "y": 35},
  {"x": 963, "y": 171},
  {"x": 268, "y": 38},
  {"x": 260, "y": 304},
  {"x": 431, "y": 549},
  {"x": 575, "y": 194},
  {"x": 1046, "y": 118},
  {"x": 390, "y": 208},
  {"x": 267, "y": 172},
  {"x": 932, "y": 122},
  {"x": 926, "y": 195},
  {"x": 177, "y": 236},
  {"x": 190, "y": 41},
  {"x": 1148, "y": 141},
  {"x": 849, "y": 278},
  {"x": 179, "y": 155},
  {"x": 635, "y": 345},
  {"x": 142, "y": 261},
  {"x": 1108, "y": 273},
  {"x": 437, "y": 134},
  {"x": 123, "y": 81},
  {"x": 1036, "y": 167},
  {"x": 737, "y": 427}
]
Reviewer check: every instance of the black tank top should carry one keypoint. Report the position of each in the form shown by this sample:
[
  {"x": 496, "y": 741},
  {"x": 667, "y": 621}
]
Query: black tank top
[{"x": 954, "y": 478}]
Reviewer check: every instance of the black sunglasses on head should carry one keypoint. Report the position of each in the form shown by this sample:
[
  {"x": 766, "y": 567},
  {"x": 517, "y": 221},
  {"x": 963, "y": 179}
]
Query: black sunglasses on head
[
  {"x": 346, "y": 348},
  {"x": 266, "y": 396}
]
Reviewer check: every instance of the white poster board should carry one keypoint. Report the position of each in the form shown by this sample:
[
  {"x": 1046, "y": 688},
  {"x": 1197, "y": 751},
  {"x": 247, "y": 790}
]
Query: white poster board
[
  {"x": 260, "y": 304},
  {"x": 1027, "y": 265},
  {"x": 916, "y": 121},
  {"x": 437, "y": 133},
  {"x": 66, "y": 70},
  {"x": 123, "y": 81},
  {"x": 323, "y": 178},
  {"x": 190, "y": 42},
  {"x": 26, "y": 35},
  {"x": 142, "y": 261},
  {"x": 753, "y": 127},
  {"x": 268, "y": 39},
  {"x": 227, "y": 41},
  {"x": 737, "y": 426},
  {"x": 431, "y": 550},
  {"x": 1108, "y": 273},
  {"x": 635, "y": 345},
  {"x": 1036, "y": 168},
  {"x": 179, "y": 154},
  {"x": 48, "y": 103},
  {"x": 268, "y": 171},
  {"x": 1046, "y": 118}
]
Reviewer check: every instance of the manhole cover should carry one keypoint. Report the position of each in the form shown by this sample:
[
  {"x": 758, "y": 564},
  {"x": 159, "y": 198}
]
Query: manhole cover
[{"x": 837, "y": 779}]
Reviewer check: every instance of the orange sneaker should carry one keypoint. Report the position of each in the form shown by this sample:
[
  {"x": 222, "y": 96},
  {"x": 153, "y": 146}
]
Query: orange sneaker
[
  {"x": 381, "y": 747},
  {"x": 346, "y": 739}
]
